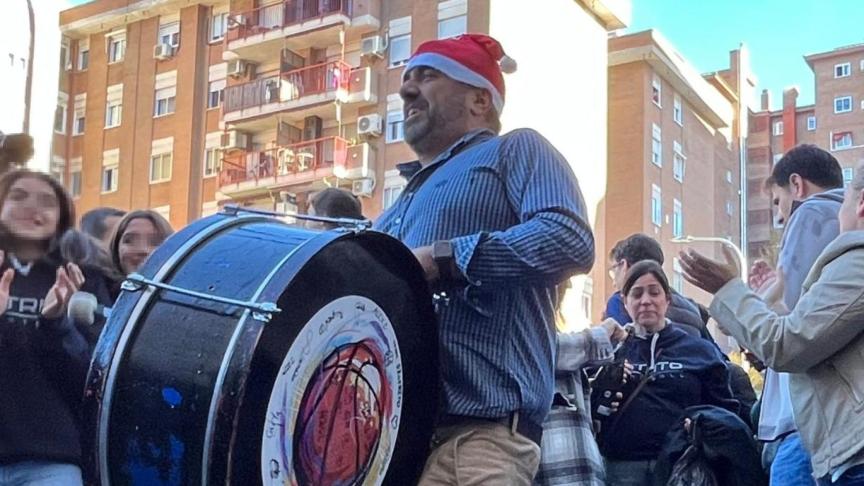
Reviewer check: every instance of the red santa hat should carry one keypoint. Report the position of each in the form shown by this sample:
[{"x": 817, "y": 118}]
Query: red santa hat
[{"x": 474, "y": 59}]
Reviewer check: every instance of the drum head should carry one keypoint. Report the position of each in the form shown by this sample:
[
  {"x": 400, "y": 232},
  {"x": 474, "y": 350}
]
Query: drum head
[{"x": 345, "y": 378}]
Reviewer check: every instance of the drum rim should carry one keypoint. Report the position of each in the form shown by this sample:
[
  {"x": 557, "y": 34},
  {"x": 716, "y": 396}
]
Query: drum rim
[
  {"x": 119, "y": 352},
  {"x": 321, "y": 240}
]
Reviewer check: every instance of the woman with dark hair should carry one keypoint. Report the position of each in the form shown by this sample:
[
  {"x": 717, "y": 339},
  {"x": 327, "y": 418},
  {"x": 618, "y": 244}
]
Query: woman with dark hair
[
  {"x": 671, "y": 371},
  {"x": 43, "y": 356},
  {"x": 137, "y": 235}
]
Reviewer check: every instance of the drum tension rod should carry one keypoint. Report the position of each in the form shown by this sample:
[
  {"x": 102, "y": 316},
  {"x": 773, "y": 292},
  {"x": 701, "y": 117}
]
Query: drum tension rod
[
  {"x": 262, "y": 311},
  {"x": 348, "y": 223}
]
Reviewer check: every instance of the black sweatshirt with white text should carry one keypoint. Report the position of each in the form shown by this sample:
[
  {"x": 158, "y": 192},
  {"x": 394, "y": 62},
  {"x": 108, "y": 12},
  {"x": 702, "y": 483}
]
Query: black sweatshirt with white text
[{"x": 43, "y": 366}]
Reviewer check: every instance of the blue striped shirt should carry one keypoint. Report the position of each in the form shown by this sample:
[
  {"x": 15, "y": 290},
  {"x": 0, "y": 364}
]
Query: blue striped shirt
[{"x": 511, "y": 207}]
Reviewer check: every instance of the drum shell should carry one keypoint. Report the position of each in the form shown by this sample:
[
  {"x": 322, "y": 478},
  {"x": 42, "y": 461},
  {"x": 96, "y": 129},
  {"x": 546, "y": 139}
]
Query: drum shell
[{"x": 189, "y": 379}]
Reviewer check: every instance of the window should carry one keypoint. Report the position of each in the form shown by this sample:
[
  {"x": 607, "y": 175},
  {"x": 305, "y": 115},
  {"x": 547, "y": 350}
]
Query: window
[
  {"x": 400, "y": 41},
  {"x": 110, "y": 170},
  {"x": 842, "y": 70},
  {"x": 218, "y": 26},
  {"x": 75, "y": 182},
  {"x": 656, "y": 90},
  {"x": 400, "y": 50},
  {"x": 678, "y": 162},
  {"x": 841, "y": 140},
  {"x": 58, "y": 169},
  {"x": 113, "y": 114},
  {"x": 677, "y": 111},
  {"x": 729, "y": 176},
  {"x": 395, "y": 126},
  {"x": 843, "y": 104},
  {"x": 811, "y": 123},
  {"x": 170, "y": 34},
  {"x": 212, "y": 161},
  {"x": 60, "y": 115},
  {"x": 65, "y": 61},
  {"x": 778, "y": 128},
  {"x": 78, "y": 126},
  {"x": 656, "y": 205},
  {"x": 656, "y": 145},
  {"x": 848, "y": 174},
  {"x": 215, "y": 94},
  {"x": 677, "y": 276},
  {"x": 80, "y": 111},
  {"x": 116, "y": 47},
  {"x": 164, "y": 104},
  {"x": 391, "y": 194},
  {"x": 452, "y": 18},
  {"x": 677, "y": 219},
  {"x": 114, "y": 106},
  {"x": 83, "y": 54},
  {"x": 729, "y": 208},
  {"x": 160, "y": 167}
]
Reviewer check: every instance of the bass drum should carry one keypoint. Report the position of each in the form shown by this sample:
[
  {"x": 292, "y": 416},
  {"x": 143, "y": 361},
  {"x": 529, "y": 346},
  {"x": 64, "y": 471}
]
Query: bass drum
[{"x": 197, "y": 379}]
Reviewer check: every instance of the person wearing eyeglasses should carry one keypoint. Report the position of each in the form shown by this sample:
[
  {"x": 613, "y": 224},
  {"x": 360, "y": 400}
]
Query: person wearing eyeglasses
[{"x": 628, "y": 252}]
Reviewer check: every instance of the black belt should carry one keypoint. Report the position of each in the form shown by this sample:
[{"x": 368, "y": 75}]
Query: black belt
[{"x": 514, "y": 420}]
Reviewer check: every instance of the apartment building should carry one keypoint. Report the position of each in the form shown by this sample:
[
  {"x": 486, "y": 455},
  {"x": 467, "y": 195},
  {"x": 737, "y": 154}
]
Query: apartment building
[
  {"x": 835, "y": 122},
  {"x": 772, "y": 133},
  {"x": 674, "y": 152},
  {"x": 185, "y": 106}
]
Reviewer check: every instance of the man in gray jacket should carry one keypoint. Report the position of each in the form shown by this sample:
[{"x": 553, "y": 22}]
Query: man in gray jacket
[
  {"x": 807, "y": 189},
  {"x": 820, "y": 342}
]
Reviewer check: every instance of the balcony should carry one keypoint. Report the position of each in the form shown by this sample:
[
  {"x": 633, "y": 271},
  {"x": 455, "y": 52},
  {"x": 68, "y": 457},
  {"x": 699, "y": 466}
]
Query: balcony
[
  {"x": 302, "y": 165},
  {"x": 248, "y": 105},
  {"x": 259, "y": 34}
]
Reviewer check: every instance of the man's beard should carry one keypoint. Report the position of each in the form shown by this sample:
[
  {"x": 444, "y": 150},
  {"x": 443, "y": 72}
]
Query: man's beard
[{"x": 431, "y": 128}]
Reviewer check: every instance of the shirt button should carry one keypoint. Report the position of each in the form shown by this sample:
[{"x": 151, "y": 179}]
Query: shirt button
[{"x": 398, "y": 221}]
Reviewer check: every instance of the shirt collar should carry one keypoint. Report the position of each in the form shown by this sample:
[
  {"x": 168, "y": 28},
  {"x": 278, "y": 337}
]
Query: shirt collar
[{"x": 410, "y": 169}]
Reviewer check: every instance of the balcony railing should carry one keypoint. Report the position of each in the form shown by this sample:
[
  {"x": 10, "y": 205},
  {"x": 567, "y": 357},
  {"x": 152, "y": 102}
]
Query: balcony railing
[
  {"x": 278, "y": 87},
  {"x": 279, "y": 15},
  {"x": 284, "y": 163}
]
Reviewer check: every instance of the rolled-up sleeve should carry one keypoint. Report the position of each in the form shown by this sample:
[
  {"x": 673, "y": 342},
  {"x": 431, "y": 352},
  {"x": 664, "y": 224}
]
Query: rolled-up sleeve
[
  {"x": 553, "y": 239},
  {"x": 576, "y": 349}
]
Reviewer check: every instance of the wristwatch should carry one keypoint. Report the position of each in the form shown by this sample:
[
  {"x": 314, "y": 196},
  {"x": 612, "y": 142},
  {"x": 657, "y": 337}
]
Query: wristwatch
[{"x": 442, "y": 254}]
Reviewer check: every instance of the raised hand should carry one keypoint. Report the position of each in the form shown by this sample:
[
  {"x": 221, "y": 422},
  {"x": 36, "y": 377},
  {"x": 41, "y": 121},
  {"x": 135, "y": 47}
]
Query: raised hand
[
  {"x": 69, "y": 280},
  {"x": 707, "y": 274},
  {"x": 5, "y": 285}
]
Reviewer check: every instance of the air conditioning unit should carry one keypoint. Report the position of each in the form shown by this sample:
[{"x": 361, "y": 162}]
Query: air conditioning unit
[
  {"x": 363, "y": 187},
  {"x": 369, "y": 125},
  {"x": 372, "y": 46},
  {"x": 234, "y": 140},
  {"x": 163, "y": 51},
  {"x": 237, "y": 68}
]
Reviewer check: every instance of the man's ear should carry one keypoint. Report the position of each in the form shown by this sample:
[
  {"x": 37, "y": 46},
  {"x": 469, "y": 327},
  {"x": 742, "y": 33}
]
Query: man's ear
[
  {"x": 480, "y": 102},
  {"x": 797, "y": 186},
  {"x": 859, "y": 203}
]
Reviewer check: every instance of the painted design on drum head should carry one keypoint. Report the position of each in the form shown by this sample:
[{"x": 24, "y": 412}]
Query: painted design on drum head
[{"x": 334, "y": 409}]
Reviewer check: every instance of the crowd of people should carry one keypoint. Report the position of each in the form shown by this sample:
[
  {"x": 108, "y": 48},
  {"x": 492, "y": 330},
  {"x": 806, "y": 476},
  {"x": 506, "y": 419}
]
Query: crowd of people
[{"x": 645, "y": 397}]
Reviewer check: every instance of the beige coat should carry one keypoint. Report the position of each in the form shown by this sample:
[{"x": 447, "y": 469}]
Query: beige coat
[{"x": 821, "y": 342}]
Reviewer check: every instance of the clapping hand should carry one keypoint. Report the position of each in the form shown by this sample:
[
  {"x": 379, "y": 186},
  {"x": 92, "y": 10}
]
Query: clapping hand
[
  {"x": 5, "y": 284},
  {"x": 707, "y": 274},
  {"x": 69, "y": 280}
]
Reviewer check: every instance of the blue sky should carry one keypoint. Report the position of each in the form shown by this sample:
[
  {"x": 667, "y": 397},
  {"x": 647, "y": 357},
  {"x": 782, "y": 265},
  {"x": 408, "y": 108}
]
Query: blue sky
[{"x": 777, "y": 32}]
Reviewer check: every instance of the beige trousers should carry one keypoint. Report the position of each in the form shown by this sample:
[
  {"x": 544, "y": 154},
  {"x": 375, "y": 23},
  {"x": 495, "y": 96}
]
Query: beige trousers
[{"x": 480, "y": 454}]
